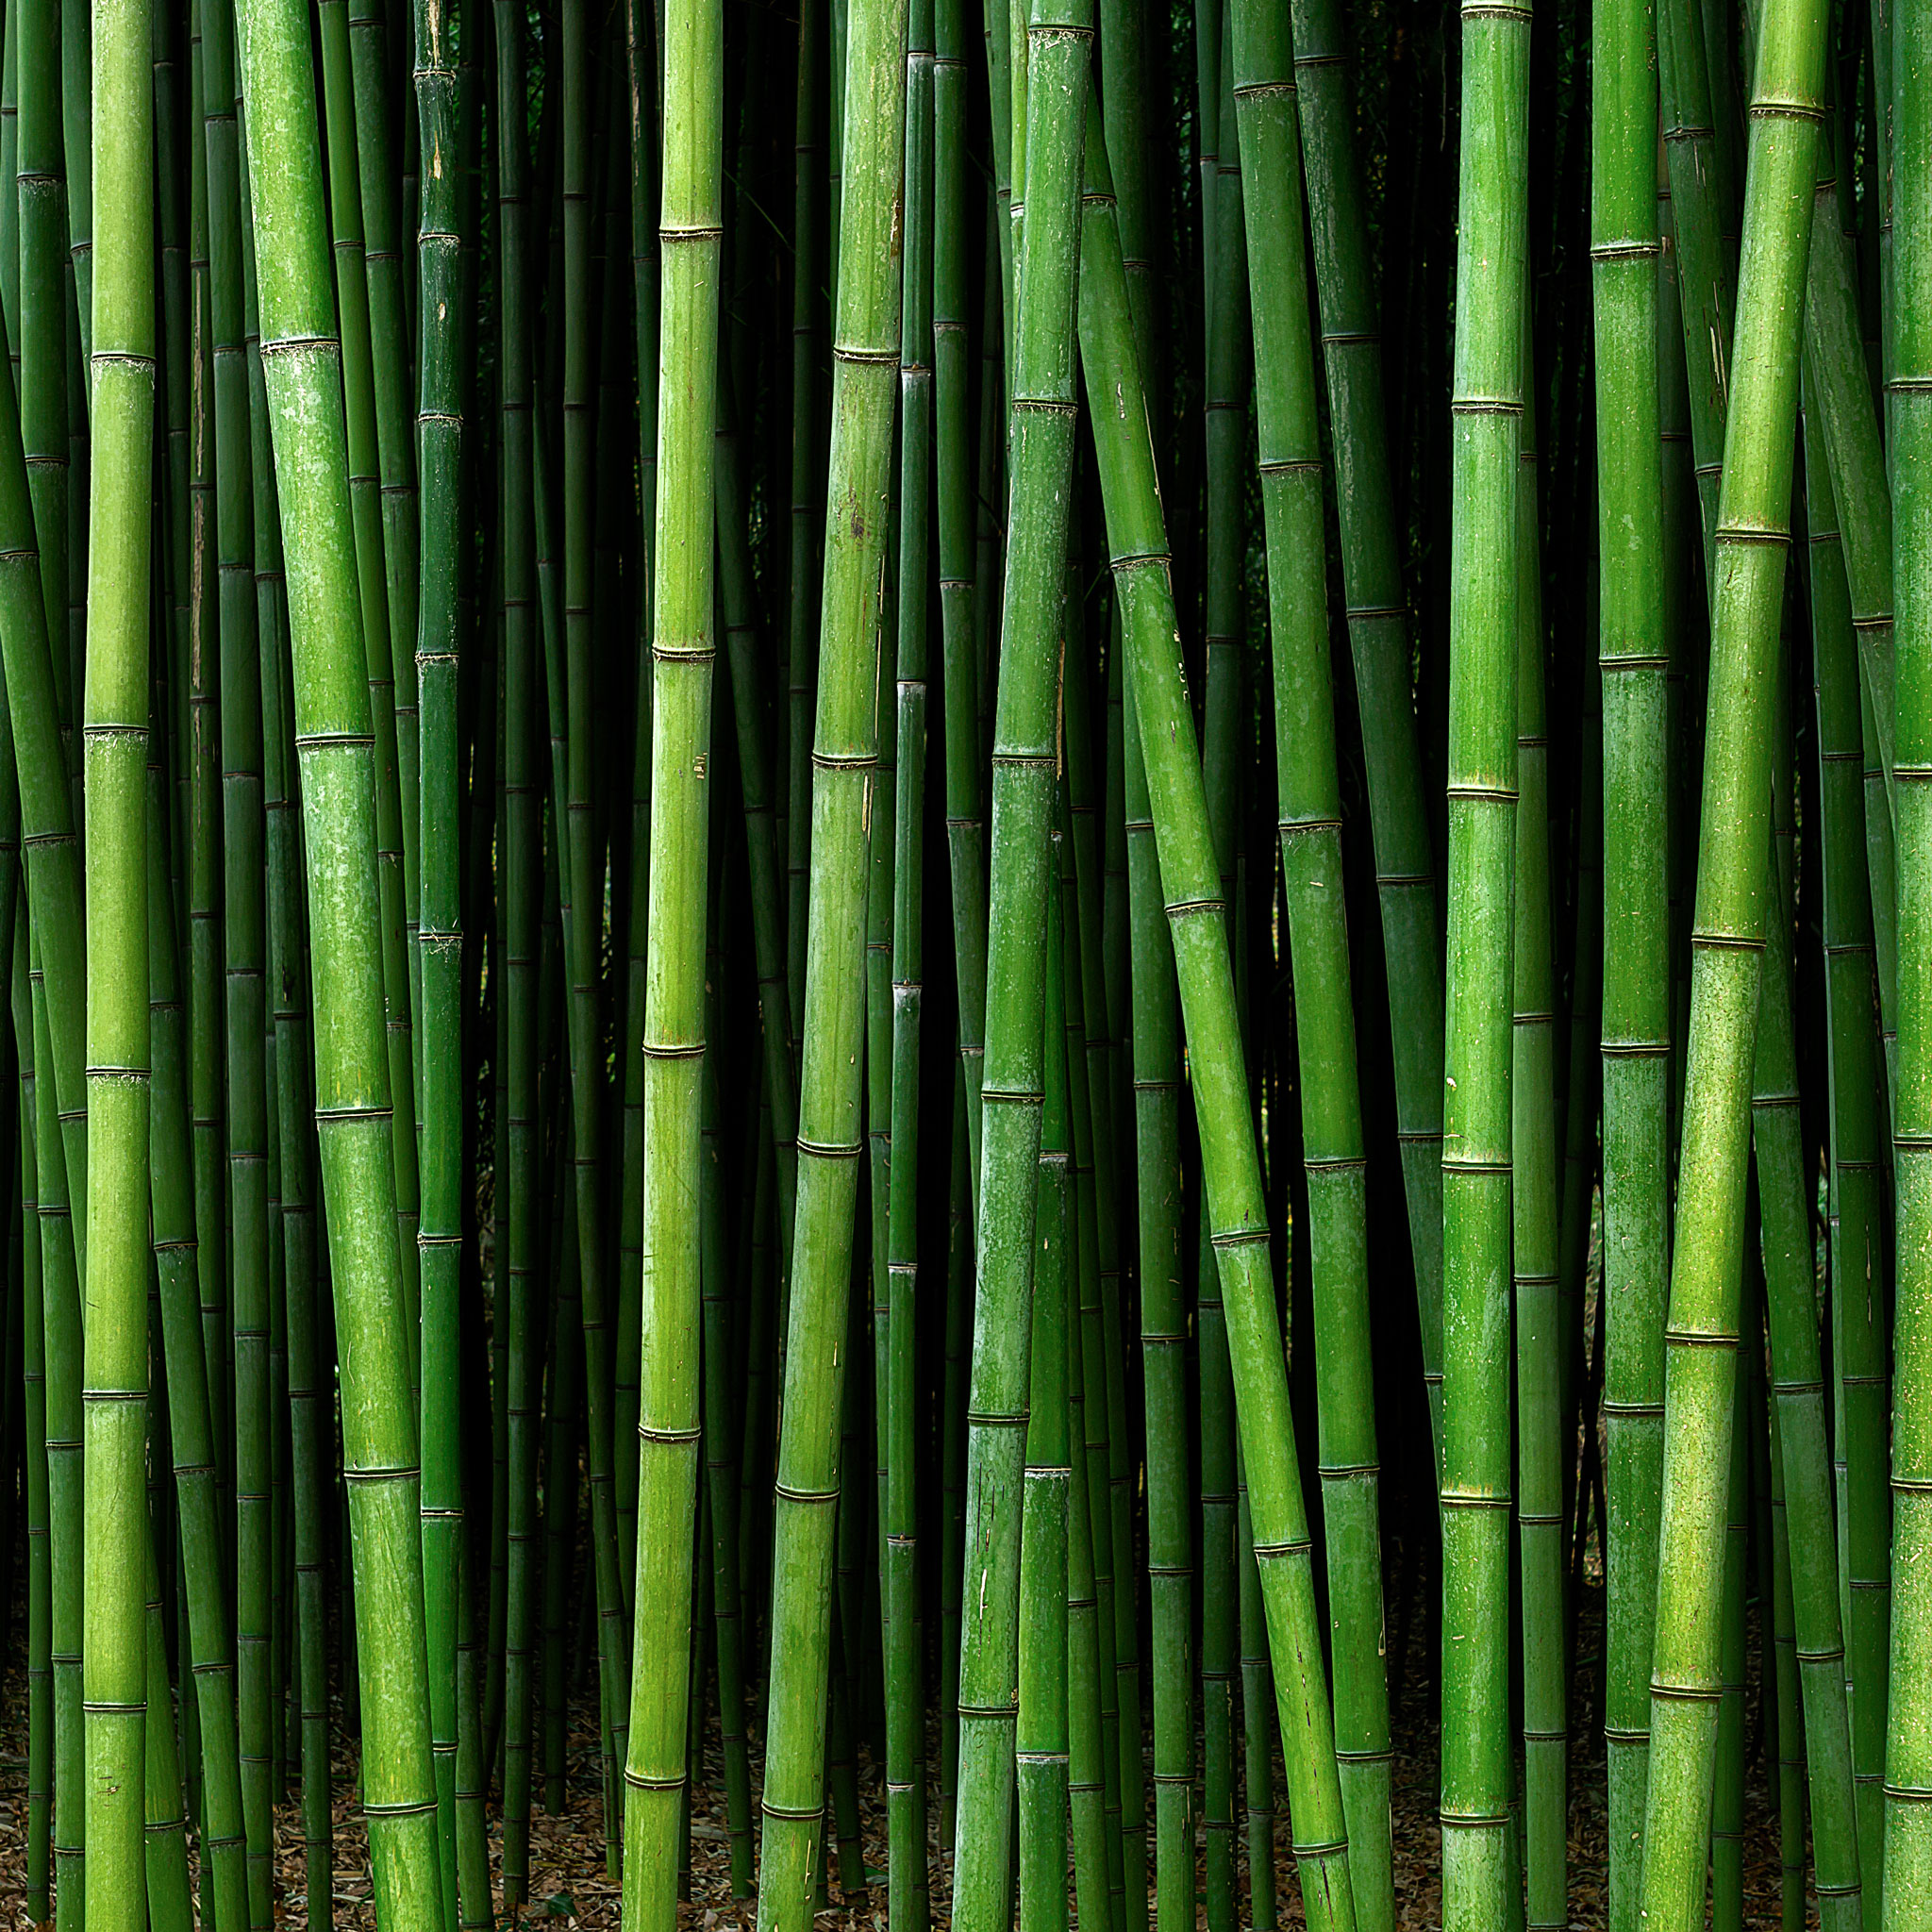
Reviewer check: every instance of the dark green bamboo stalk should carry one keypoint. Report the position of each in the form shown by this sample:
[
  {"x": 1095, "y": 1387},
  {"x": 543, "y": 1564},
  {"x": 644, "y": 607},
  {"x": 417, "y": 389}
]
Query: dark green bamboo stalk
[
  {"x": 389, "y": 233},
  {"x": 1093, "y": 1704},
  {"x": 438, "y": 959},
  {"x": 1379, "y": 639},
  {"x": 582, "y": 857},
  {"x": 898, "y": 1394},
  {"x": 1164, "y": 1345},
  {"x": 1798, "y": 1395},
  {"x": 1534, "y": 1232},
  {"x": 202, "y": 814},
  {"x": 1752, "y": 528},
  {"x": 522, "y": 892},
  {"x": 1310, "y": 837},
  {"x": 43, "y": 261},
  {"x": 64, "y": 1344},
  {"x": 1040, "y": 1724},
  {"x": 242, "y": 943},
  {"x": 682, "y": 649},
  {"x": 302, "y": 371},
  {"x": 738, "y": 592},
  {"x": 39, "y": 1632},
  {"x": 953, "y": 455},
  {"x": 806, "y": 550},
  {"x": 644, "y": 209},
  {"x": 1854, "y": 1097},
  {"x": 1226, "y": 436}
]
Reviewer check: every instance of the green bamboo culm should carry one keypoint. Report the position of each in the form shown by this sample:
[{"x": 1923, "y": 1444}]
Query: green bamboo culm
[
  {"x": 1190, "y": 879},
  {"x": 439, "y": 956},
  {"x": 1378, "y": 636},
  {"x": 1042, "y": 426},
  {"x": 1634, "y": 653},
  {"x": 1728, "y": 939},
  {"x": 118, "y": 1557},
  {"x": 1309, "y": 780},
  {"x": 865, "y": 386},
  {"x": 683, "y": 648},
  {"x": 302, "y": 371},
  {"x": 1908, "y": 1869},
  {"x": 1479, "y": 1877},
  {"x": 897, "y": 1394}
]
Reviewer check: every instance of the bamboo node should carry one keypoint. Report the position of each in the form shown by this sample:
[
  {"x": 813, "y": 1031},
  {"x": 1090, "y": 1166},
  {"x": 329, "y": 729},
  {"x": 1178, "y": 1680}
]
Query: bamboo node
[{"x": 793, "y": 1494}]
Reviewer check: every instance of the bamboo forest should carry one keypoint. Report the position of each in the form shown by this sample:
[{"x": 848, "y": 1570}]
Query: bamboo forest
[{"x": 970, "y": 965}]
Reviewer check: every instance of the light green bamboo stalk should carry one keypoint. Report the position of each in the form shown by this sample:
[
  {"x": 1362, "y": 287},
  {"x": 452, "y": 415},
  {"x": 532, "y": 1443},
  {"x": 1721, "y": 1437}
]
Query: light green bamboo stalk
[
  {"x": 689, "y": 240},
  {"x": 1700, "y": 1376},
  {"x": 858, "y": 499},
  {"x": 1478, "y": 1858},
  {"x": 118, "y": 1557},
  {"x": 1043, "y": 429},
  {"x": 1634, "y": 653},
  {"x": 302, "y": 372}
]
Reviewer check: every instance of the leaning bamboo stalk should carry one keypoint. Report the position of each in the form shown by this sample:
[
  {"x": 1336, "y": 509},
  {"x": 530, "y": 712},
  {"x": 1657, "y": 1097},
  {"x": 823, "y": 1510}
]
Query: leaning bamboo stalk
[
  {"x": 683, "y": 649},
  {"x": 1231, "y": 1166},
  {"x": 302, "y": 371},
  {"x": 1700, "y": 1374}
]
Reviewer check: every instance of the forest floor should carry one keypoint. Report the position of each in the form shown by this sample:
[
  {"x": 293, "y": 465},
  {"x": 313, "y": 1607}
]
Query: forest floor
[{"x": 569, "y": 1891}]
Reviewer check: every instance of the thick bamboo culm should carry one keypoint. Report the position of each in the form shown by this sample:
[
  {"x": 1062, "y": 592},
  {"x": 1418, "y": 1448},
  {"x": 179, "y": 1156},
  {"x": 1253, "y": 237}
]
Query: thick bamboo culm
[{"x": 1208, "y": 1207}]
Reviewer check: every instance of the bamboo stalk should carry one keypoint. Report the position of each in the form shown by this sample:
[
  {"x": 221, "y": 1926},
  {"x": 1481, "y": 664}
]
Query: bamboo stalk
[
  {"x": 1700, "y": 1375},
  {"x": 302, "y": 371}
]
